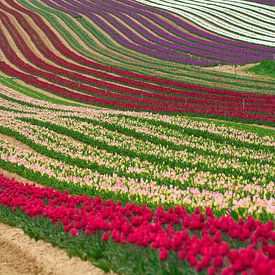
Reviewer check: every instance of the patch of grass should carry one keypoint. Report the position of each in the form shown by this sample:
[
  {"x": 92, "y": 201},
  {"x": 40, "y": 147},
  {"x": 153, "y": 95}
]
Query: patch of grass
[{"x": 266, "y": 67}]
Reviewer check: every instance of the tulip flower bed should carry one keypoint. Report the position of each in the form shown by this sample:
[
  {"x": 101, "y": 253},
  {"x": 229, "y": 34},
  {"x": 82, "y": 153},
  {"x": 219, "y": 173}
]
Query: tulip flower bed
[
  {"x": 109, "y": 53},
  {"x": 195, "y": 240},
  {"x": 140, "y": 157},
  {"x": 169, "y": 42},
  {"x": 143, "y": 96},
  {"x": 221, "y": 18},
  {"x": 154, "y": 184}
]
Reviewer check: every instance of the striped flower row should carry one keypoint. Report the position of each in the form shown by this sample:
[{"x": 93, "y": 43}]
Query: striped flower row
[
  {"x": 252, "y": 198},
  {"x": 222, "y": 245},
  {"x": 222, "y": 21}
]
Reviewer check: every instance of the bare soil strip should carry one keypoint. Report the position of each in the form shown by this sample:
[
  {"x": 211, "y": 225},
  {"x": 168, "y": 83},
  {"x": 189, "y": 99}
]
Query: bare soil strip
[
  {"x": 21, "y": 255},
  {"x": 240, "y": 70}
]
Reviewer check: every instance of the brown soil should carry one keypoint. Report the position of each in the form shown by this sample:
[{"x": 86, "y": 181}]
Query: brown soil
[
  {"x": 21, "y": 255},
  {"x": 231, "y": 69}
]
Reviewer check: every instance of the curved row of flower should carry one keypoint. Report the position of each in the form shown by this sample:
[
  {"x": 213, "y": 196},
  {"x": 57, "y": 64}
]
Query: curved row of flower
[
  {"x": 166, "y": 42},
  {"x": 199, "y": 174},
  {"x": 143, "y": 120},
  {"x": 108, "y": 52},
  {"x": 219, "y": 10},
  {"x": 243, "y": 11},
  {"x": 220, "y": 21},
  {"x": 127, "y": 105},
  {"x": 122, "y": 95},
  {"x": 223, "y": 244},
  {"x": 136, "y": 79},
  {"x": 182, "y": 155},
  {"x": 156, "y": 134},
  {"x": 253, "y": 102},
  {"x": 101, "y": 164}
]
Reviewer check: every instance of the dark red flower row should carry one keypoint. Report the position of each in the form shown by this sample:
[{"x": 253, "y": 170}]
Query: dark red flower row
[
  {"x": 127, "y": 105},
  {"x": 134, "y": 95},
  {"x": 203, "y": 240},
  {"x": 205, "y": 102},
  {"x": 109, "y": 70}
]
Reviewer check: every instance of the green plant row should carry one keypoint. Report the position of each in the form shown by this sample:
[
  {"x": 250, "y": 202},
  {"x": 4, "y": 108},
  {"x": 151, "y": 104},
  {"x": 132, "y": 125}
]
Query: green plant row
[
  {"x": 35, "y": 94},
  {"x": 185, "y": 131},
  {"x": 113, "y": 149},
  {"x": 23, "y": 103}
]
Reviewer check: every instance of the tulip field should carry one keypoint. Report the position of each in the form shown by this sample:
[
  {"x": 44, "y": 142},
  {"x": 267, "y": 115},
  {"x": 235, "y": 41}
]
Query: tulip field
[
  {"x": 193, "y": 194},
  {"x": 121, "y": 146}
]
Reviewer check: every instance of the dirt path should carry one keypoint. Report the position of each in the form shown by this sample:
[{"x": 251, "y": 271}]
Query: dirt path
[
  {"x": 12, "y": 259},
  {"x": 21, "y": 255}
]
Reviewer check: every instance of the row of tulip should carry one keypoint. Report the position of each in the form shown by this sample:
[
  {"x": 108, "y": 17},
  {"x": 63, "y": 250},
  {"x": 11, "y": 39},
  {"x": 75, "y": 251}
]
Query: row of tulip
[
  {"x": 11, "y": 98},
  {"x": 104, "y": 132},
  {"x": 146, "y": 163},
  {"x": 153, "y": 40},
  {"x": 89, "y": 127},
  {"x": 252, "y": 105},
  {"x": 109, "y": 53},
  {"x": 262, "y": 26},
  {"x": 82, "y": 60},
  {"x": 248, "y": 12},
  {"x": 171, "y": 33},
  {"x": 198, "y": 173},
  {"x": 153, "y": 124},
  {"x": 128, "y": 38},
  {"x": 157, "y": 125},
  {"x": 217, "y": 23},
  {"x": 30, "y": 163},
  {"x": 219, "y": 145},
  {"x": 66, "y": 52},
  {"x": 223, "y": 245},
  {"x": 127, "y": 105},
  {"x": 200, "y": 32}
]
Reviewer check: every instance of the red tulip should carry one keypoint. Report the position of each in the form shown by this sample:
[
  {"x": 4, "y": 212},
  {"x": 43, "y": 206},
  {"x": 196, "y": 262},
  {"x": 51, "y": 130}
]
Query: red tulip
[
  {"x": 74, "y": 231},
  {"x": 163, "y": 254},
  {"x": 105, "y": 237}
]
